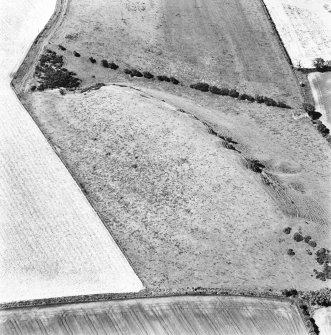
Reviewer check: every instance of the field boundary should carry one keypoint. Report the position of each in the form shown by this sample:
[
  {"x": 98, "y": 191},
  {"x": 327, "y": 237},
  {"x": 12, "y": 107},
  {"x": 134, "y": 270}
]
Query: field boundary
[{"x": 281, "y": 43}]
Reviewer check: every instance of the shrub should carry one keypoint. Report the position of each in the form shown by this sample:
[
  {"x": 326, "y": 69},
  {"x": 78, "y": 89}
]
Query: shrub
[
  {"x": 92, "y": 60},
  {"x": 113, "y": 66},
  {"x": 203, "y": 87},
  {"x": 163, "y": 78},
  {"x": 233, "y": 93},
  {"x": 76, "y": 54},
  {"x": 315, "y": 115},
  {"x": 309, "y": 108},
  {"x": 313, "y": 244},
  {"x": 104, "y": 63},
  {"x": 61, "y": 47},
  {"x": 287, "y": 230},
  {"x": 259, "y": 98},
  {"x": 174, "y": 80},
  {"x": 214, "y": 90},
  {"x": 307, "y": 238},
  {"x": 247, "y": 97},
  {"x": 290, "y": 252},
  {"x": 33, "y": 88},
  {"x": 297, "y": 237},
  {"x": 323, "y": 129},
  {"x": 148, "y": 75},
  {"x": 322, "y": 256},
  {"x": 321, "y": 65},
  {"x": 270, "y": 102},
  {"x": 282, "y": 104},
  {"x": 255, "y": 165},
  {"x": 127, "y": 71},
  {"x": 291, "y": 292},
  {"x": 321, "y": 297},
  {"x": 51, "y": 74},
  {"x": 136, "y": 73}
]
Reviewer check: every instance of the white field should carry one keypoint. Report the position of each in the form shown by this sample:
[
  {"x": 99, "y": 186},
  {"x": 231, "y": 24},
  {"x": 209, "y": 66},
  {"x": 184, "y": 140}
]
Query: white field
[
  {"x": 320, "y": 84},
  {"x": 322, "y": 318},
  {"x": 304, "y": 27},
  {"x": 52, "y": 243}
]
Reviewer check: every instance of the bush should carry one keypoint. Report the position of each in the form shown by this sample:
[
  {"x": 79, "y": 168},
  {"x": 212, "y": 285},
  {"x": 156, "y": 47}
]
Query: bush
[
  {"x": 113, "y": 66},
  {"x": 259, "y": 98},
  {"x": 148, "y": 75},
  {"x": 93, "y": 61},
  {"x": 291, "y": 292},
  {"x": 313, "y": 244},
  {"x": 307, "y": 238},
  {"x": 61, "y": 47},
  {"x": 174, "y": 80},
  {"x": 287, "y": 230},
  {"x": 76, "y": 54},
  {"x": 247, "y": 97},
  {"x": 33, "y": 88},
  {"x": 323, "y": 129},
  {"x": 308, "y": 107},
  {"x": 270, "y": 102},
  {"x": 51, "y": 74},
  {"x": 203, "y": 87},
  {"x": 321, "y": 297},
  {"x": 233, "y": 93},
  {"x": 282, "y": 104},
  {"x": 290, "y": 252},
  {"x": 163, "y": 78},
  {"x": 297, "y": 237},
  {"x": 321, "y": 65},
  {"x": 104, "y": 63},
  {"x": 127, "y": 71},
  {"x": 214, "y": 90},
  {"x": 136, "y": 73}
]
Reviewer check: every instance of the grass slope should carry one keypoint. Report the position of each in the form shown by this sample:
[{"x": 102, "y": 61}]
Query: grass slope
[{"x": 183, "y": 207}]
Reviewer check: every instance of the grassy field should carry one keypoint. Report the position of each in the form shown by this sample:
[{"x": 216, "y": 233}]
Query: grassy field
[
  {"x": 228, "y": 43},
  {"x": 185, "y": 210},
  {"x": 196, "y": 188},
  {"x": 174, "y": 315},
  {"x": 304, "y": 27},
  {"x": 52, "y": 242}
]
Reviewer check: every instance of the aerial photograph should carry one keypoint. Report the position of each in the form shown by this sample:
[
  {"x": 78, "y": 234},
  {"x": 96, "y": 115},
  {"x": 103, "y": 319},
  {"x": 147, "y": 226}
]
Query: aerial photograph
[{"x": 165, "y": 167}]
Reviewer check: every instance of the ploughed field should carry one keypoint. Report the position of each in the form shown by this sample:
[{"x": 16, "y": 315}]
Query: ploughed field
[
  {"x": 173, "y": 315},
  {"x": 227, "y": 43},
  {"x": 52, "y": 242},
  {"x": 304, "y": 27}
]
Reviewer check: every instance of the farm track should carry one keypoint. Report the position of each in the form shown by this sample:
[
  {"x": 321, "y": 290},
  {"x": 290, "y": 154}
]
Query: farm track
[
  {"x": 52, "y": 241},
  {"x": 171, "y": 315}
]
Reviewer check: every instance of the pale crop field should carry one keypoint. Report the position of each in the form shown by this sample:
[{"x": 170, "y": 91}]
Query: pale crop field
[
  {"x": 305, "y": 28},
  {"x": 173, "y": 315},
  {"x": 322, "y": 318},
  {"x": 320, "y": 84},
  {"x": 52, "y": 242}
]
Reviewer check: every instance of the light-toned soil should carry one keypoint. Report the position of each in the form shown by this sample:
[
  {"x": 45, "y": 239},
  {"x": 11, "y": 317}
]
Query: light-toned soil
[
  {"x": 176, "y": 315},
  {"x": 52, "y": 242},
  {"x": 185, "y": 210},
  {"x": 228, "y": 43},
  {"x": 304, "y": 27},
  {"x": 322, "y": 318},
  {"x": 320, "y": 84}
]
